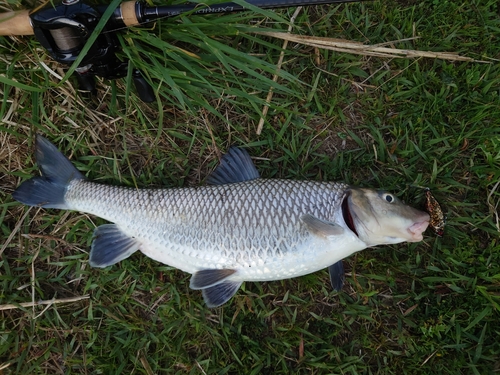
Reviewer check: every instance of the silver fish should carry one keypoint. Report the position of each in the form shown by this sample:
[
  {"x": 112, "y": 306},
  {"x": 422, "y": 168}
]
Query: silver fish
[{"x": 237, "y": 228}]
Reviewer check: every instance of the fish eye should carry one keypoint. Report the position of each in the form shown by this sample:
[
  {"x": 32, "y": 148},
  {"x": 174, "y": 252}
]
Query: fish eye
[{"x": 388, "y": 198}]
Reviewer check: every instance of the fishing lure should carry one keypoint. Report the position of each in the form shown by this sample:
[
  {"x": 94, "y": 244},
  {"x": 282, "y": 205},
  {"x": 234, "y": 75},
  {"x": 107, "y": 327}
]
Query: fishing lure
[{"x": 433, "y": 208}]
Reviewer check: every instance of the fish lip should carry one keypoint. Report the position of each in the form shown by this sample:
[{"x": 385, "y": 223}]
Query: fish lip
[{"x": 417, "y": 230}]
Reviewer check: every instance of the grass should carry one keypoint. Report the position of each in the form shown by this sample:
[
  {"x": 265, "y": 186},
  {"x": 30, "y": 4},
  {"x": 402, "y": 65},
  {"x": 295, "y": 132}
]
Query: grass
[{"x": 426, "y": 308}]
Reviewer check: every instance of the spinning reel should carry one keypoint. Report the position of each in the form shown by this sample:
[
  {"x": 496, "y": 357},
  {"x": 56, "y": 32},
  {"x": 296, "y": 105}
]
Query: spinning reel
[{"x": 63, "y": 31}]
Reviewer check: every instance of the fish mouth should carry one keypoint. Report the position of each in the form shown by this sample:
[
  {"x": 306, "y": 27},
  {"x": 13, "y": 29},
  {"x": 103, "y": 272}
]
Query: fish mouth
[
  {"x": 346, "y": 214},
  {"x": 416, "y": 231}
]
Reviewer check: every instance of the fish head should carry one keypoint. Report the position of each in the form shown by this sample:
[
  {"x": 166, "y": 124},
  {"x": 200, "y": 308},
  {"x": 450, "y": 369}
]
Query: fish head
[{"x": 379, "y": 217}]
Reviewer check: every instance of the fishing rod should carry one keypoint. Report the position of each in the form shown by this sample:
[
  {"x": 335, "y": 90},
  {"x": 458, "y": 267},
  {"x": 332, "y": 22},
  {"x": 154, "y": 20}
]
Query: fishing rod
[{"x": 64, "y": 28}]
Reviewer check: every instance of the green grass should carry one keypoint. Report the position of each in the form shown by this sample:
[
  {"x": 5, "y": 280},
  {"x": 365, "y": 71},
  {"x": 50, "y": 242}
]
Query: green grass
[{"x": 426, "y": 308}]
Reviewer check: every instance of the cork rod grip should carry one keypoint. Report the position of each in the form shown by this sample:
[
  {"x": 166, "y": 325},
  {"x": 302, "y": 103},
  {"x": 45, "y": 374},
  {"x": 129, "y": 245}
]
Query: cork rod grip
[
  {"x": 15, "y": 23},
  {"x": 128, "y": 12}
]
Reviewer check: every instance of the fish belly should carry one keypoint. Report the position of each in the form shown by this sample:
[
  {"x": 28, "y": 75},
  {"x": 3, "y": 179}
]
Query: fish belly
[{"x": 312, "y": 255}]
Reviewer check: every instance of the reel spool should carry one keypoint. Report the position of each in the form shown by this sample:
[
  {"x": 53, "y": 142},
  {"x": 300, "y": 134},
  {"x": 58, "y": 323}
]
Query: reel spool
[{"x": 63, "y": 30}]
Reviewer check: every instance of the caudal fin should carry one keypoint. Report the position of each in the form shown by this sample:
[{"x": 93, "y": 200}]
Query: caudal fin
[{"x": 48, "y": 190}]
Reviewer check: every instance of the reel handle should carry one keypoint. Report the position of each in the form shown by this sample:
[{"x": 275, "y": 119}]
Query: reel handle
[{"x": 144, "y": 89}]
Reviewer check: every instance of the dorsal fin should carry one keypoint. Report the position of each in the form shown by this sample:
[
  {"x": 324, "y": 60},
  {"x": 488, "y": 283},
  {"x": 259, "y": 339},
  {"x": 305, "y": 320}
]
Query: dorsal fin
[{"x": 235, "y": 166}]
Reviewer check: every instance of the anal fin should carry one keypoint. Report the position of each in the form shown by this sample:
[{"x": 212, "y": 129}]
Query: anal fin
[
  {"x": 221, "y": 293},
  {"x": 111, "y": 245}
]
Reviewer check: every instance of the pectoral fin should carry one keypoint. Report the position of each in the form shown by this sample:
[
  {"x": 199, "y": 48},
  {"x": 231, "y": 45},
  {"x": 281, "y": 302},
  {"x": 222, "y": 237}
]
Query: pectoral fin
[
  {"x": 220, "y": 293},
  {"x": 337, "y": 275},
  {"x": 321, "y": 227},
  {"x": 111, "y": 245},
  {"x": 208, "y": 278}
]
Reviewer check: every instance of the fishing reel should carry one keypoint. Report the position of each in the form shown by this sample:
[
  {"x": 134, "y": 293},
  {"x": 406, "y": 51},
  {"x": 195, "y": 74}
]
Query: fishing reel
[{"x": 63, "y": 30}]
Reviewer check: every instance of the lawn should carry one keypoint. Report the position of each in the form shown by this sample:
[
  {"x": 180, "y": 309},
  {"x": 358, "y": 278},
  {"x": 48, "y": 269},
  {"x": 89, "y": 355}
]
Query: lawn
[{"x": 400, "y": 124}]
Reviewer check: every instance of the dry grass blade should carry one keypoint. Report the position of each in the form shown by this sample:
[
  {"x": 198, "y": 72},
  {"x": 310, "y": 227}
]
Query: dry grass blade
[
  {"x": 13, "y": 233},
  {"x": 145, "y": 364},
  {"x": 494, "y": 206},
  {"x": 358, "y": 48},
  {"x": 45, "y": 302},
  {"x": 4, "y": 366},
  {"x": 275, "y": 76}
]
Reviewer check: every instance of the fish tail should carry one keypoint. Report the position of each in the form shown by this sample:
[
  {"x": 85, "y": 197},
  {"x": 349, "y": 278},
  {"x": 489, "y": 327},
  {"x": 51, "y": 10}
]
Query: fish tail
[{"x": 49, "y": 189}]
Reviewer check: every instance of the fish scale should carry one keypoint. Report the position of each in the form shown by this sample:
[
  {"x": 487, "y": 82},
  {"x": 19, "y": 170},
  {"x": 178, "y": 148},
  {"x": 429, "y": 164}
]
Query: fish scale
[
  {"x": 237, "y": 228},
  {"x": 201, "y": 226}
]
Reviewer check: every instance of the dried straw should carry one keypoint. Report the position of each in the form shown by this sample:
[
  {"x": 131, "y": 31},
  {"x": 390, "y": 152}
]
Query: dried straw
[
  {"x": 358, "y": 48},
  {"x": 44, "y": 302}
]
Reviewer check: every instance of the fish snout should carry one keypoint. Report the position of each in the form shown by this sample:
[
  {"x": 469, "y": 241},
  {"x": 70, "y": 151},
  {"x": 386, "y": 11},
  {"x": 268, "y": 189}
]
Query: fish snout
[{"x": 418, "y": 227}]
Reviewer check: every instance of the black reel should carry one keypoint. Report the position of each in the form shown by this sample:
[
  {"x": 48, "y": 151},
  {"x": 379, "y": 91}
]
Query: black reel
[{"x": 63, "y": 29}]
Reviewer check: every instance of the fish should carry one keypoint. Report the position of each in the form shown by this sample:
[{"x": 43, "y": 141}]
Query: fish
[
  {"x": 433, "y": 208},
  {"x": 237, "y": 227}
]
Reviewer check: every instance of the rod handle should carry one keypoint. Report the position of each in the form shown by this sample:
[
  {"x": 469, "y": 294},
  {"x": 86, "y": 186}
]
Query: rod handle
[
  {"x": 128, "y": 11},
  {"x": 16, "y": 23}
]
